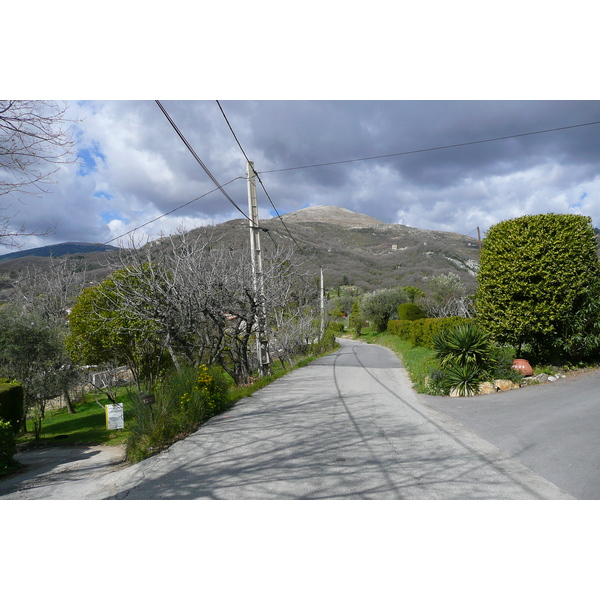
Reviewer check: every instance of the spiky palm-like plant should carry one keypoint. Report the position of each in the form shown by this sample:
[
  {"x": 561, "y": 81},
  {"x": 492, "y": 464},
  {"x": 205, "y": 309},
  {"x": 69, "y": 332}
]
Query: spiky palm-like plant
[
  {"x": 465, "y": 344},
  {"x": 465, "y": 354}
]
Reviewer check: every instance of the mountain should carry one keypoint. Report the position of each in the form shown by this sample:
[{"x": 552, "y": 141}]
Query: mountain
[
  {"x": 353, "y": 248},
  {"x": 59, "y": 250},
  {"x": 357, "y": 249}
]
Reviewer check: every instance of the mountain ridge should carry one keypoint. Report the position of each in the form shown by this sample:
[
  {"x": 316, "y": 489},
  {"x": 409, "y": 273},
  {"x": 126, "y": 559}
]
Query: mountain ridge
[
  {"x": 353, "y": 249},
  {"x": 56, "y": 250}
]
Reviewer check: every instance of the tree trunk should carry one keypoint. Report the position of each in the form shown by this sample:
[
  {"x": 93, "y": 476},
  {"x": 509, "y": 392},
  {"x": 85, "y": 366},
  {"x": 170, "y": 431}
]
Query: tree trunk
[{"x": 69, "y": 403}]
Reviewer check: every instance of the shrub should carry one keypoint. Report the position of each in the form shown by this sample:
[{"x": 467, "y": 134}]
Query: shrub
[
  {"x": 182, "y": 402},
  {"x": 11, "y": 402},
  {"x": 538, "y": 281},
  {"x": 463, "y": 379},
  {"x": 466, "y": 357},
  {"x": 422, "y": 331},
  {"x": 464, "y": 344},
  {"x": 7, "y": 446},
  {"x": 409, "y": 311},
  {"x": 336, "y": 327}
]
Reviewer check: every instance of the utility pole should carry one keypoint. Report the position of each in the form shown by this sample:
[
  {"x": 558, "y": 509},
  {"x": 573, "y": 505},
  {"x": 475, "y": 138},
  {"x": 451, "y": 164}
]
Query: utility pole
[
  {"x": 479, "y": 239},
  {"x": 322, "y": 306},
  {"x": 262, "y": 346}
]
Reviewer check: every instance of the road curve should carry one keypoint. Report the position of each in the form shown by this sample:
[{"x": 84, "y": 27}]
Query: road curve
[{"x": 347, "y": 426}]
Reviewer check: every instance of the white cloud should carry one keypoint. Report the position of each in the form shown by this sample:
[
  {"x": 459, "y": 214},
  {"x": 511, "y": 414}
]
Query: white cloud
[{"x": 142, "y": 169}]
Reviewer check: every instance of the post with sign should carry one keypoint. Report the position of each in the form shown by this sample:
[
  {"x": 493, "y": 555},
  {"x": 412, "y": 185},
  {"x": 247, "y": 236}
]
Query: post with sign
[{"x": 115, "y": 418}]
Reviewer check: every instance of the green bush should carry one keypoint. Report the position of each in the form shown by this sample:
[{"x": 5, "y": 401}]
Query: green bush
[
  {"x": 336, "y": 327},
  {"x": 409, "y": 311},
  {"x": 11, "y": 403},
  {"x": 466, "y": 357},
  {"x": 422, "y": 331},
  {"x": 7, "y": 446},
  {"x": 182, "y": 402},
  {"x": 539, "y": 280}
]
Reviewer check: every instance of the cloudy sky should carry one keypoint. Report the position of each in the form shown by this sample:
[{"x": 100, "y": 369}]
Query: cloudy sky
[
  {"x": 132, "y": 167},
  {"x": 333, "y": 86}
]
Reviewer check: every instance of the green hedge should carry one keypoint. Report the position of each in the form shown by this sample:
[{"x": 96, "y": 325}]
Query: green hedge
[
  {"x": 422, "y": 331},
  {"x": 410, "y": 312},
  {"x": 7, "y": 446},
  {"x": 11, "y": 402}
]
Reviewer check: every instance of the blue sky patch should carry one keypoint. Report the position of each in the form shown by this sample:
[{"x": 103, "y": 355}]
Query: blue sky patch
[
  {"x": 88, "y": 158},
  {"x": 111, "y": 215},
  {"x": 102, "y": 194}
]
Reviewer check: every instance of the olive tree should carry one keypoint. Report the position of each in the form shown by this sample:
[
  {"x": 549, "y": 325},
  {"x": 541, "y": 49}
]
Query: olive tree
[
  {"x": 539, "y": 283},
  {"x": 33, "y": 353},
  {"x": 380, "y": 306}
]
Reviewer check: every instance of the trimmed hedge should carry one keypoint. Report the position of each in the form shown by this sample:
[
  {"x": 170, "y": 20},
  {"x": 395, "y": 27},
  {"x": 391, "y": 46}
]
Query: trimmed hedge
[
  {"x": 422, "y": 331},
  {"x": 409, "y": 311},
  {"x": 7, "y": 446},
  {"x": 11, "y": 402}
]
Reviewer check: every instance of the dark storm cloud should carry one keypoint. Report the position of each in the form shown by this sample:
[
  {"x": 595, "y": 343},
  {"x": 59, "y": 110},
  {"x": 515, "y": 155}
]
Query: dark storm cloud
[{"x": 142, "y": 169}]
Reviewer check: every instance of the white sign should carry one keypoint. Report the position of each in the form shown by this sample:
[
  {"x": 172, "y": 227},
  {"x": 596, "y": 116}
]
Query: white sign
[{"x": 114, "y": 416}]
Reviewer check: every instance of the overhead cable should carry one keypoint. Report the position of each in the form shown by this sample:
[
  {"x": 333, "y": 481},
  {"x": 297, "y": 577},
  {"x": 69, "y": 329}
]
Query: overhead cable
[
  {"x": 264, "y": 188},
  {"x": 161, "y": 216},
  {"x": 206, "y": 170},
  {"x": 506, "y": 137}
]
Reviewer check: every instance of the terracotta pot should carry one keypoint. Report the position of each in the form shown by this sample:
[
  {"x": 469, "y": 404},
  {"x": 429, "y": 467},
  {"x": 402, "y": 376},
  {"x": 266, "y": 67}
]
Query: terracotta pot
[{"x": 523, "y": 366}]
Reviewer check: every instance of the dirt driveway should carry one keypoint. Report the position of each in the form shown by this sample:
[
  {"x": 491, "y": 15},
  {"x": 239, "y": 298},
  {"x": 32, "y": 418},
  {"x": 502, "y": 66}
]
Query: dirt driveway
[{"x": 48, "y": 469}]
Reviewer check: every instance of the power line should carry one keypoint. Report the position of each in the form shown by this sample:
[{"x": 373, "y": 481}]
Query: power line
[
  {"x": 264, "y": 188},
  {"x": 206, "y": 170},
  {"x": 159, "y": 217},
  {"x": 506, "y": 137}
]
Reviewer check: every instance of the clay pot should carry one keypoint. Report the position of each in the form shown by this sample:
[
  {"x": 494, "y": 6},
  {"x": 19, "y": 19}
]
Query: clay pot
[{"x": 523, "y": 366}]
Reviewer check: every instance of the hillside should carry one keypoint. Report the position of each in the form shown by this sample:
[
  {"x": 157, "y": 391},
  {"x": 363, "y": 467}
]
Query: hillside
[
  {"x": 359, "y": 250},
  {"x": 354, "y": 249},
  {"x": 58, "y": 250}
]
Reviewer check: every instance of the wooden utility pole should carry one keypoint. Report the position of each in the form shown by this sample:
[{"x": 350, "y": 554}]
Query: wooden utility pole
[
  {"x": 479, "y": 239},
  {"x": 262, "y": 346},
  {"x": 322, "y": 294}
]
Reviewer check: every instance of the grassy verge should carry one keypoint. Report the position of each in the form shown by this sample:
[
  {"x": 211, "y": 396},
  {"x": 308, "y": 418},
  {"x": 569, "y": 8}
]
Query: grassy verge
[
  {"x": 416, "y": 360},
  {"x": 88, "y": 424}
]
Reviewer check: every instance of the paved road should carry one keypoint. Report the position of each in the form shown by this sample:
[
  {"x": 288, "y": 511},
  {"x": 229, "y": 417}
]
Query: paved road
[
  {"x": 348, "y": 426},
  {"x": 553, "y": 429}
]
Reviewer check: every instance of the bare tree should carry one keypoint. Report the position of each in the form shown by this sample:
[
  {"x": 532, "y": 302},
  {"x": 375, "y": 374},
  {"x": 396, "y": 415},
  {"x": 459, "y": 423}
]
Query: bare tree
[
  {"x": 198, "y": 294},
  {"x": 448, "y": 298},
  {"x": 34, "y": 142}
]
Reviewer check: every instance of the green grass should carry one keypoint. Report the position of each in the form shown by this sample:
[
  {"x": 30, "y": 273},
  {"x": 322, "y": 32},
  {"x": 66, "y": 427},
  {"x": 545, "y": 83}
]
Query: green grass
[{"x": 88, "y": 424}]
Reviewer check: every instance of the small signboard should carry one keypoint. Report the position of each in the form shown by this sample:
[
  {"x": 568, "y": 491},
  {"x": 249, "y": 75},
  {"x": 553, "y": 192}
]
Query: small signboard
[{"x": 115, "y": 418}]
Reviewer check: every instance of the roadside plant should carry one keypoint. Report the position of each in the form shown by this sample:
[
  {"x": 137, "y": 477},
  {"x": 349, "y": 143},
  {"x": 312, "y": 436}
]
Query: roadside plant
[
  {"x": 538, "y": 285},
  {"x": 465, "y": 344},
  {"x": 466, "y": 357},
  {"x": 181, "y": 403},
  {"x": 463, "y": 379},
  {"x": 7, "y": 446}
]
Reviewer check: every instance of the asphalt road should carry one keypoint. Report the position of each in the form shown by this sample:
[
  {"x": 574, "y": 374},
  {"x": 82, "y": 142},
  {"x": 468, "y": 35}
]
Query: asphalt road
[
  {"x": 553, "y": 429},
  {"x": 347, "y": 426}
]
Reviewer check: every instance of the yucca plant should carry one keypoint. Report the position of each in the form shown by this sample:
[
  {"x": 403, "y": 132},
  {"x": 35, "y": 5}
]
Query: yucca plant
[
  {"x": 465, "y": 344},
  {"x": 463, "y": 380},
  {"x": 465, "y": 355}
]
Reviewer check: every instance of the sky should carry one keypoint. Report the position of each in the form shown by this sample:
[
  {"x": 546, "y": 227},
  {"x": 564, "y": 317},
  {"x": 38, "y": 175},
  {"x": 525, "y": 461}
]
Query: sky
[{"x": 131, "y": 167}]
